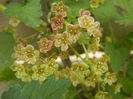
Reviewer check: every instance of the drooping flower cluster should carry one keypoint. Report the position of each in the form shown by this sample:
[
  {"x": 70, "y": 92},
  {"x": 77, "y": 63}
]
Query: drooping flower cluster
[
  {"x": 57, "y": 22},
  {"x": 88, "y": 22},
  {"x": 77, "y": 73},
  {"x": 43, "y": 71},
  {"x": 91, "y": 72},
  {"x": 73, "y": 32},
  {"x": 26, "y": 54},
  {"x": 30, "y": 66}
]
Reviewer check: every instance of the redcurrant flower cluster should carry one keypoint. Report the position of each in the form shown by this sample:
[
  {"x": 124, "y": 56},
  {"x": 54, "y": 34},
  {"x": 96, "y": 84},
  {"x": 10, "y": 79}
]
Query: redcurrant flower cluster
[
  {"x": 29, "y": 65},
  {"x": 92, "y": 72}
]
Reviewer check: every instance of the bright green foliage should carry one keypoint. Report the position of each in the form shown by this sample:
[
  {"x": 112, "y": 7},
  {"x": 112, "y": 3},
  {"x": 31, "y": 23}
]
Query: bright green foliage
[
  {"x": 130, "y": 70},
  {"x": 126, "y": 17},
  {"x": 118, "y": 56},
  {"x": 2, "y": 7},
  {"x": 71, "y": 93},
  {"x": 7, "y": 75},
  {"x": 7, "y": 44},
  {"x": 129, "y": 39},
  {"x": 76, "y": 5},
  {"x": 106, "y": 12},
  {"x": 84, "y": 40},
  {"x": 29, "y": 13},
  {"x": 119, "y": 96},
  {"x": 51, "y": 89},
  {"x": 128, "y": 85},
  {"x": 119, "y": 10}
]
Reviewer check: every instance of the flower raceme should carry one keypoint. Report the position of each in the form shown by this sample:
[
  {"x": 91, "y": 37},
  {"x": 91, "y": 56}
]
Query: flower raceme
[
  {"x": 37, "y": 64},
  {"x": 30, "y": 66},
  {"x": 26, "y": 53}
]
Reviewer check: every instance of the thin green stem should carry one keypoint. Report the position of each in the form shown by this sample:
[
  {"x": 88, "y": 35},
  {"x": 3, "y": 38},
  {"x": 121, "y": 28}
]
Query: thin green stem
[
  {"x": 77, "y": 54},
  {"x": 31, "y": 36},
  {"x": 86, "y": 52}
]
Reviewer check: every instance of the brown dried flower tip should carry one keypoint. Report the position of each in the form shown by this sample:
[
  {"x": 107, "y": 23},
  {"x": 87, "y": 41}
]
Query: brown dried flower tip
[
  {"x": 23, "y": 41},
  {"x": 45, "y": 45},
  {"x": 57, "y": 22},
  {"x": 60, "y": 8}
]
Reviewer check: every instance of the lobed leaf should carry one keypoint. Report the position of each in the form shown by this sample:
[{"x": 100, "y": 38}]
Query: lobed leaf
[
  {"x": 50, "y": 89},
  {"x": 29, "y": 13}
]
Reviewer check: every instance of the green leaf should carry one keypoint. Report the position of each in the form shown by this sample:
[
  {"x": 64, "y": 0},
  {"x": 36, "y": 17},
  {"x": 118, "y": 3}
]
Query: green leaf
[
  {"x": 84, "y": 39},
  {"x": 29, "y": 13},
  {"x": 119, "y": 96},
  {"x": 127, "y": 85},
  {"x": 130, "y": 70},
  {"x": 126, "y": 18},
  {"x": 7, "y": 75},
  {"x": 7, "y": 44},
  {"x": 118, "y": 55},
  {"x": 106, "y": 11},
  {"x": 50, "y": 89},
  {"x": 129, "y": 39},
  {"x": 72, "y": 93},
  {"x": 76, "y": 5},
  {"x": 118, "y": 10}
]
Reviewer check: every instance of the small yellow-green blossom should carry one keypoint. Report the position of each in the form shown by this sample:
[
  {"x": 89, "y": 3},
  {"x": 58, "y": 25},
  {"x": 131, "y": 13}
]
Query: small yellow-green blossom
[
  {"x": 42, "y": 71},
  {"x": 73, "y": 32},
  {"x": 81, "y": 69},
  {"x": 85, "y": 21},
  {"x": 26, "y": 53},
  {"x": 117, "y": 87},
  {"x": 92, "y": 27},
  {"x": 39, "y": 73},
  {"x": 110, "y": 78},
  {"x": 96, "y": 3},
  {"x": 26, "y": 78},
  {"x": 76, "y": 73},
  {"x": 99, "y": 68},
  {"x": 91, "y": 80},
  {"x": 102, "y": 95},
  {"x": 21, "y": 72},
  {"x": 14, "y": 22},
  {"x": 61, "y": 40}
]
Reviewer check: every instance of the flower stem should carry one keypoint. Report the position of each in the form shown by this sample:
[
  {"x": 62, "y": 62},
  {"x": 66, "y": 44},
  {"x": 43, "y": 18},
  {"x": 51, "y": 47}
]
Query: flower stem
[
  {"x": 31, "y": 36},
  {"x": 77, "y": 54},
  {"x": 86, "y": 52}
]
